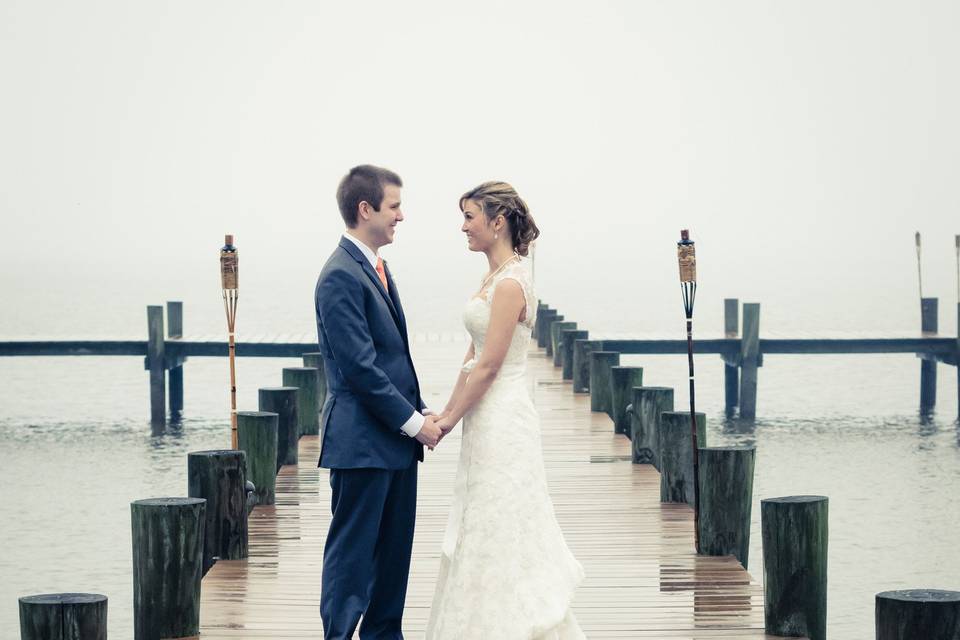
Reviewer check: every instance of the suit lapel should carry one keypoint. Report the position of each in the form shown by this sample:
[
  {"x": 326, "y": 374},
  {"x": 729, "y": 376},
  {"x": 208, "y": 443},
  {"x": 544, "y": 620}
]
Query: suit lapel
[
  {"x": 357, "y": 255},
  {"x": 395, "y": 297}
]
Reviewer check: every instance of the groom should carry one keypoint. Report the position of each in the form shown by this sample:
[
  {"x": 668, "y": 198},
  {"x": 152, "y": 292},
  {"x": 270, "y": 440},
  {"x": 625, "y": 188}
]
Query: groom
[{"x": 374, "y": 422}]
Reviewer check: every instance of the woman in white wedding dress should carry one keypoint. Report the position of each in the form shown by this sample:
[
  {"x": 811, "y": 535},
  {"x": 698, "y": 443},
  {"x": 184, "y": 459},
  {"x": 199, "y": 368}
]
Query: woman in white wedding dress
[{"x": 506, "y": 572}]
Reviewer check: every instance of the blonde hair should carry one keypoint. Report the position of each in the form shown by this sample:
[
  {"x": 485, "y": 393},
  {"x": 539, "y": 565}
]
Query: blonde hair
[{"x": 501, "y": 199}]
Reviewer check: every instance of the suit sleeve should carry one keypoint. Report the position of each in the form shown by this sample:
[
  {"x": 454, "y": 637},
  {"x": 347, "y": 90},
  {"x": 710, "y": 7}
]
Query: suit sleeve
[{"x": 339, "y": 302}]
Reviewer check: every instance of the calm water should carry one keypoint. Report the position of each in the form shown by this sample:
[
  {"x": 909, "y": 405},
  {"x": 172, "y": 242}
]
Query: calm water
[{"x": 77, "y": 450}]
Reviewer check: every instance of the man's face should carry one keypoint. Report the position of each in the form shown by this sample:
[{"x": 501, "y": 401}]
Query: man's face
[{"x": 382, "y": 224}]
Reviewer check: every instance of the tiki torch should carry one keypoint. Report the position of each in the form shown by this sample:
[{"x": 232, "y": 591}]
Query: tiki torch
[
  {"x": 229, "y": 264},
  {"x": 687, "y": 258}
]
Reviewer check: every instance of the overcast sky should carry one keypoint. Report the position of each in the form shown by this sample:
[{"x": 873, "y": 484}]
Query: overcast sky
[{"x": 802, "y": 143}]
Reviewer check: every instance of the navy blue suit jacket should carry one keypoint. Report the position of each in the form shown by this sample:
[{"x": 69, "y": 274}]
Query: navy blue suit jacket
[{"x": 372, "y": 387}]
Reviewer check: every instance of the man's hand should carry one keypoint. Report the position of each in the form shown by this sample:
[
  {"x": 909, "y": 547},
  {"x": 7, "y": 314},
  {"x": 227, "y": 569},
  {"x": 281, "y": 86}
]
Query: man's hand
[{"x": 430, "y": 433}]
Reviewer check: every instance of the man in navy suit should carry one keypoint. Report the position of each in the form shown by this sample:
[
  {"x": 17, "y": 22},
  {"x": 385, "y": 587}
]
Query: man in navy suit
[{"x": 374, "y": 422}]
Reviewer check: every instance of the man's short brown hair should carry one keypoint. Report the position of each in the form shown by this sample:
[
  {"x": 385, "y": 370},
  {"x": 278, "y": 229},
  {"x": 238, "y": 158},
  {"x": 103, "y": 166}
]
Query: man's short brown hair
[{"x": 363, "y": 183}]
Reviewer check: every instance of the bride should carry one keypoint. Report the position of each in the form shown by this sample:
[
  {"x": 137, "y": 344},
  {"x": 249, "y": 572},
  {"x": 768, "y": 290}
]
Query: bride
[{"x": 506, "y": 571}]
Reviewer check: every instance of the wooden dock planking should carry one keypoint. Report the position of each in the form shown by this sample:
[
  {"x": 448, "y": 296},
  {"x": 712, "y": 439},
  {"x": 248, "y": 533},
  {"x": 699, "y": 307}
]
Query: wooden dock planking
[{"x": 643, "y": 578}]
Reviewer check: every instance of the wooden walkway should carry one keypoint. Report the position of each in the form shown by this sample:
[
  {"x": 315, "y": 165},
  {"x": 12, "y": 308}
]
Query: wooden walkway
[{"x": 643, "y": 578}]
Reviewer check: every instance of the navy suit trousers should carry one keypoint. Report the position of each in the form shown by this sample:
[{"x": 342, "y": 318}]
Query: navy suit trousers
[{"x": 366, "y": 559}]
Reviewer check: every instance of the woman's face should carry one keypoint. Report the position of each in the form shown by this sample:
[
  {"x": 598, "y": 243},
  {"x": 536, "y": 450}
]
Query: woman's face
[{"x": 479, "y": 230}]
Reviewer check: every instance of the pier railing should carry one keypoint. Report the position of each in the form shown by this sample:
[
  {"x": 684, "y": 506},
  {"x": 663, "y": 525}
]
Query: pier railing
[{"x": 741, "y": 352}]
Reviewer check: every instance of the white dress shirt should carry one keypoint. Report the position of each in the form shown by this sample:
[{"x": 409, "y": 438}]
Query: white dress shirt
[{"x": 412, "y": 426}]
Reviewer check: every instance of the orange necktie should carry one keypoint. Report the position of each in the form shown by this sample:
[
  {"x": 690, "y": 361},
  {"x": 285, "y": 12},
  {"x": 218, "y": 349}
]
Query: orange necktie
[{"x": 381, "y": 272}]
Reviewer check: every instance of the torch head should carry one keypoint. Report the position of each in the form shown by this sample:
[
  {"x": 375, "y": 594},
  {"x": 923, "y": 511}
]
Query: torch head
[
  {"x": 687, "y": 257},
  {"x": 229, "y": 265}
]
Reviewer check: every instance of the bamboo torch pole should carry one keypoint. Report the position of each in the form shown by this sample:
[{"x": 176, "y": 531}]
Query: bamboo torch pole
[
  {"x": 687, "y": 258},
  {"x": 229, "y": 263}
]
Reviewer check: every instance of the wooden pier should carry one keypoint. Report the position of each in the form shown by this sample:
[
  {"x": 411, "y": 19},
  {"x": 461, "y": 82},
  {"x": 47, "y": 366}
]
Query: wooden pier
[{"x": 644, "y": 579}]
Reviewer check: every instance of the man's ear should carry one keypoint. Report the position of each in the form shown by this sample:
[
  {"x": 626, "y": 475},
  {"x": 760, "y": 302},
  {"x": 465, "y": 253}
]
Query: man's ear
[{"x": 364, "y": 210}]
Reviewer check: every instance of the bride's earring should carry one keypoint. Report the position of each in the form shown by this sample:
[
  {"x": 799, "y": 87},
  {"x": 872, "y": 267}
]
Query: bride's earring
[{"x": 495, "y": 236}]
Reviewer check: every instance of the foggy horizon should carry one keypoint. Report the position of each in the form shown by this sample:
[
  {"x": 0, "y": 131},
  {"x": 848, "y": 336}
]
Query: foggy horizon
[{"x": 801, "y": 144}]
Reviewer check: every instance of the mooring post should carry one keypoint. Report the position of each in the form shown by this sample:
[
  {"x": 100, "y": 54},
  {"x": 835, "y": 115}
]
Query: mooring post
[
  {"x": 541, "y": 307},
  {"x": 568, "y": 338},
  {"x": 156, "y": 365},
  {"x": 543, "y": 324},
  {"x": 677, "y": 478},
  {"x": 601, "y": 380},
  {"x": 621, "y": 397},
  {"x": 63, "y": 616},
  {"x": 283, "y": 402},
  {"x": 315, "y": 359},
  {"x": 928, "y": 366},
  {"x": 581, "y": 363},
  {"x": 649, "y": 403},
  {"x": 556, "y": 333},
  {"x": 749, "y": 360},
  {"x": 220, "y": 478},
  {"x": 167, "y": 535},
  {"x": 917, "y": 613},
  {"x": 726, "y": 497},
  {"x": 548, "y": 334},
  {"x": 957, "y": 361},
  {"x": 257, "y": 437},
  {"x": 794, "y": 531},
  {"x": 308, "y": 404},
  {"x": 175, "y": 375},
  {"x": 731, "y": 372}
]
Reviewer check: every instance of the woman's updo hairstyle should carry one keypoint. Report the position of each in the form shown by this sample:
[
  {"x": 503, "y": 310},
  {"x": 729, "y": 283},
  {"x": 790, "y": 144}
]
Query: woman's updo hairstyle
[{"x": 500, "y": 199}]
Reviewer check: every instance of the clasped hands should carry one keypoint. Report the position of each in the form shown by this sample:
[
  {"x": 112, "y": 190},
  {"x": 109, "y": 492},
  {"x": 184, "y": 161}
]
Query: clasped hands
[{"x": 435, "y": 428}]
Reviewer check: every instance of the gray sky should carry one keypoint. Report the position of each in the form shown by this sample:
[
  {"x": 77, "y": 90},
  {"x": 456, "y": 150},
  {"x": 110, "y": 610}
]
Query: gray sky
[{"x": 802, "y": 143}]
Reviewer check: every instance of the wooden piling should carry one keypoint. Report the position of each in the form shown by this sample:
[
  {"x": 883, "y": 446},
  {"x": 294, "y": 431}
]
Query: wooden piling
[
  {"x": 167, "y": 565},
  {"x": 257, "y": 437},
  {"x": 749, "y": 360},
  {"x": 568, "y": 340},
  {"x": 175, "y": 374},
  {"x": 676, "y": 455},
  {"x": 63, "y": 616},
  {"x": 928, "y": 367},
  {"x": 541, "y": 307},
  {"x": 726, "y": 498},
  {"x": 283, "y": 402},
  {"x": 308, "y": 404},
  {"x": 795, "y": 532},
  {"x": 220, "y": 478},
  {"x": 543, "y": 324},
  {"x": 649, "y": 404},
  {"x": 156, "y": 365},
  {"x": 555, "y": 334},
  {"x": 581, "y": 364},
  {"x": 731, "y": 372},
  {"x": 916, "y": 614},
  {"x": 601, "y": 380},
  {"x": 315, "y": 359},
  {"x": 624, "y": 379},
  {"x": 548, "y": 337}
]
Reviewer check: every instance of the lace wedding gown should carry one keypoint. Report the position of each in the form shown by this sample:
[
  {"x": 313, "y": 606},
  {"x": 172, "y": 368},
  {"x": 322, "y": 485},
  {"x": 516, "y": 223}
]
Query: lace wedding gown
[{"x": 506, "y": 572}]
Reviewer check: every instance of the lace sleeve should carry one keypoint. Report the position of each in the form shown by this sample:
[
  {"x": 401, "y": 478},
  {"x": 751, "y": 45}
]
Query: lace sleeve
[{"x": 520, "y": 273}]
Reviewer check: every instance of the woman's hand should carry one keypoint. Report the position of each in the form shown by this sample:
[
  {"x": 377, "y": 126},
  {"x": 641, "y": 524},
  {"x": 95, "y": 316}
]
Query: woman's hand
[{"x": 446, "y": 424}]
